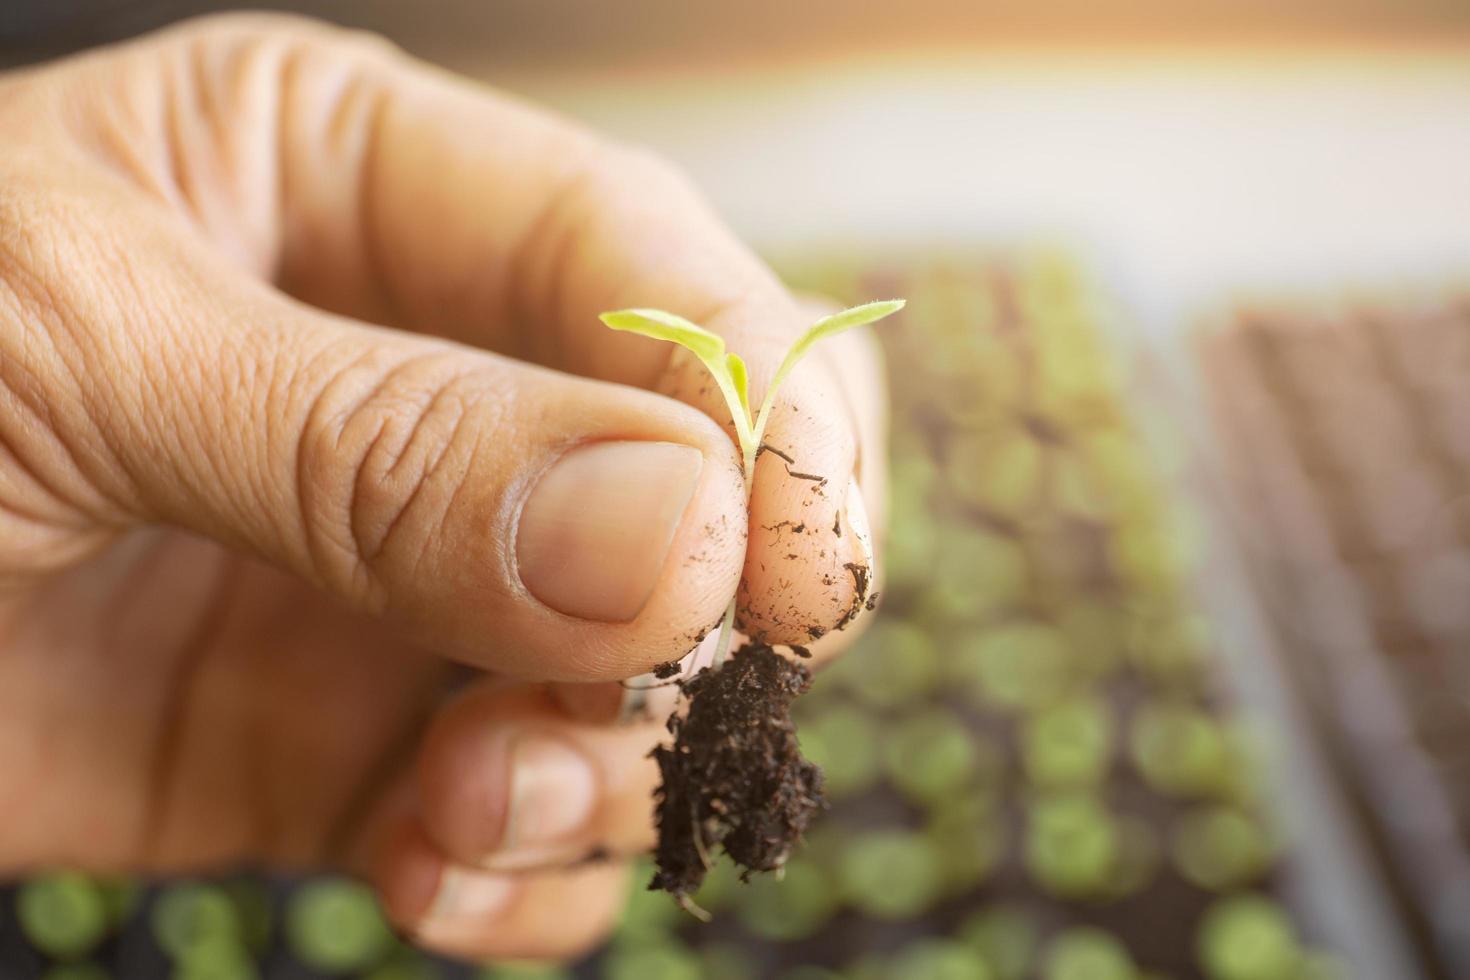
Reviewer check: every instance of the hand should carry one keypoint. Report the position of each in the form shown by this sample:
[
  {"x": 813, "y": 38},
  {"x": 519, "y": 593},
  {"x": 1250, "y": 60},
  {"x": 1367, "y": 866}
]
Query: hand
[{"x": 246, "y": 533}]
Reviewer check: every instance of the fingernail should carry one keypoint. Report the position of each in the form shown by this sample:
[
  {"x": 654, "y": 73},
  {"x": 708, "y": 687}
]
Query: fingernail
[
  {"x": 465, "y": 899},
  {"x": 553, "y": 791},
  {"x": 597, "y": 528}
]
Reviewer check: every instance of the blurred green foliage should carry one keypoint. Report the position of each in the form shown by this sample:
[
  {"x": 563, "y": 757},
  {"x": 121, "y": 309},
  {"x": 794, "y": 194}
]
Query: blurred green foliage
[
  {"x": 335, "y": 925},
  {"x": 1249, "y": 937},
  {"x": 1006, "y": 938},
  {"x": 64, "y": 915},
  {"x": 1088, "y": 954}
]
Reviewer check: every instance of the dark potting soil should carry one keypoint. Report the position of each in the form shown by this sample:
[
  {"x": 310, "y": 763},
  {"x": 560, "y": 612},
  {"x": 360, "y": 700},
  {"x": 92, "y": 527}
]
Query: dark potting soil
[{"x": 734, "y": 777}]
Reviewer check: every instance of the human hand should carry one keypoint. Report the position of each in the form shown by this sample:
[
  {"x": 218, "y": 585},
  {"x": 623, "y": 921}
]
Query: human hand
[{"x": 219, "y": 480}]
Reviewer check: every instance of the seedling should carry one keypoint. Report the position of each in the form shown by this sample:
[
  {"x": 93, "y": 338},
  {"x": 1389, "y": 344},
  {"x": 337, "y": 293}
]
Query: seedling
[
  {"x": 730, "y": 375},
  {"x": 734, "y": 776}
]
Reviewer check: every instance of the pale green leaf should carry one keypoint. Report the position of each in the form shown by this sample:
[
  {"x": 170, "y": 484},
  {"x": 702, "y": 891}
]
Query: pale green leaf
[
  {"x": 729, "y": 372},
  {"x": 827, "y": 326},
  {"x": 740, "y": 377},
  {"x": 660, "y": 325},
  {"x": 854, "y": 316}
]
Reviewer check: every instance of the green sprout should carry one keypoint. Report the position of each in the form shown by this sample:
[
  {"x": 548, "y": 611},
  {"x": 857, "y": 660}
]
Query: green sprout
[
  {"x": 1180, "y": 749},
  {"x": 974, "y": 574},
  {"x": 1006, "y": 937},
  {"x": 998, "y": 471},
  {"x": 891, "y": 874},
  {"x": 795, "y": 907},
  {"x": 971, "y": 833},
  {"x": 844, "y": 741},
  {"x": 1084, "y": 953},
  {"x": 1218, "y": 847},
  {"x": 1248, "y": 937},
  {"x": 514, "y": 971},
  {"x": 809, "y": 971},
  {"x": 730, "y": 375},
  {"x": 669, "y": 960},
  {"x": 896, "y": 664},
  {"x": 1068, "y": 744},
  {"x": 647, "y": 918},
  {"x": 1138, "y": 857},
  {"x": 1018, "y": 666},
  {"x": 1073, "y": 844},
  {"x": 727, "y": 961},
  {"x": 335, "y": 925},
  {"x": 932, "y": 958},
  {"x": 407, "y": 963},
  {"x": 85, "y": 970},
  {"x": 199, "y": 927},
  {"x": 63, "y": 914},
  {"x": 195, "y": 922},
  {"x": 931, "y": 755}
]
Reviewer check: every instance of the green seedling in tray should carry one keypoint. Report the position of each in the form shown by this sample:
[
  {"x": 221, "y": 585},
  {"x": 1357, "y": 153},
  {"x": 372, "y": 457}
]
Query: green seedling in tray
[
  {"x": 939, "y": 959},
  {"x": 63, "y": 915},
  {"x": 1249, "y": 937},
  {"x": 1088, "y": 954},
  {"x": 1219, "y": 847},
  {"x": 1068, "y": 744},
  {"x": 196, "y": 923},
  {"x": 335, "y": 925},
  {"x": 1005, "y": 937}
]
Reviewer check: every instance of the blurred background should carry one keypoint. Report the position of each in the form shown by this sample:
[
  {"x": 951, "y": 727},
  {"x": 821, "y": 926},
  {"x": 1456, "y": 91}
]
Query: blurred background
[{"x": 1173, "y": 672}]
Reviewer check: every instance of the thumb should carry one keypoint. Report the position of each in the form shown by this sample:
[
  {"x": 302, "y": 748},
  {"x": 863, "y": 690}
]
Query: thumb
[{"x": 550, "y": 527}]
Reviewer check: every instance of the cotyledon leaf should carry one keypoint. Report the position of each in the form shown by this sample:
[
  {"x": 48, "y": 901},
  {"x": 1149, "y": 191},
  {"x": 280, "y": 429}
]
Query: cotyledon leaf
[
  {"x": 727, "y": 370},
  {"x": 827, "y": 326}
]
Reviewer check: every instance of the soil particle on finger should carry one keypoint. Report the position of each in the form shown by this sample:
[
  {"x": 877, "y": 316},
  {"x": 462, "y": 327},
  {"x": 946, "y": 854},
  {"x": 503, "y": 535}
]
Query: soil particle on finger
[
  {"x": 666, "y": 669},
  {"x": 768, "y": 448},
  {"x": 734, "y": 776},
  {"x": 860, "y": 578}
]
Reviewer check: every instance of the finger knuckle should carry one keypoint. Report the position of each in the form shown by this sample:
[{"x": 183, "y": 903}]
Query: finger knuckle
[
  {"x": 229, "y": 30},
  {"x": 270, "y": 57},
  {"x": 385, "y": 452}
]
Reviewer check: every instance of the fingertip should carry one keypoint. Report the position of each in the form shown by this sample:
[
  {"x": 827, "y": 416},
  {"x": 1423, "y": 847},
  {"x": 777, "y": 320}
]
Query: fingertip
[
  {"x": 810, "y": 560},
  {"x": 463, "y": 772},
  {"x": 466, "y": 912},
  {"x": 601, "y": 537},
  {"x": 548, "y": 916},
  {"x": 408, "y": 875}
]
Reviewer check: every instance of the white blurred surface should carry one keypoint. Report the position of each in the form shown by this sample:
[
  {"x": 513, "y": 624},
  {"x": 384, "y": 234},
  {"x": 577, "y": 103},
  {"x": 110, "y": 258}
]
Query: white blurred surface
[{"x": 1193, "y": 171}]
